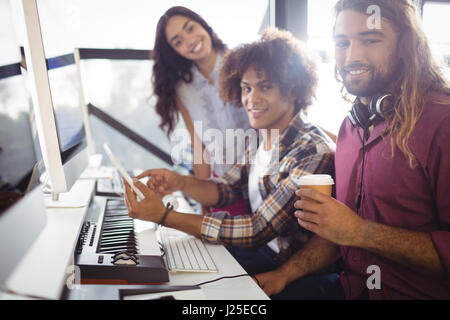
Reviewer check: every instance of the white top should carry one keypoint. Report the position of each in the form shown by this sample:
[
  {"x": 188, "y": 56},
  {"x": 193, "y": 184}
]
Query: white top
[
  {"x": 258, "y": 169},
  {"x": 208, "y": 112}
]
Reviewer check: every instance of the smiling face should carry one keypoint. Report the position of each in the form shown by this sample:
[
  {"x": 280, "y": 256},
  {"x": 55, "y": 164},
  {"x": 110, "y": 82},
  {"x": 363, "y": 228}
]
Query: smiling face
[
  {"x": 266, "y": 106},
  {"x": 188, "y": 38},
  {"x": 365, "y": 58}
]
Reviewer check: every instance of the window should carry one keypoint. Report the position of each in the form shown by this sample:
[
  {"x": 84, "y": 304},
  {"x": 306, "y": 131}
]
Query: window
[
  {"x": 330, "y": 108},
  {"x": 132, "y": 24},
  {"x": 9, "y": 35},
  {"x": 436, "y": 24}
]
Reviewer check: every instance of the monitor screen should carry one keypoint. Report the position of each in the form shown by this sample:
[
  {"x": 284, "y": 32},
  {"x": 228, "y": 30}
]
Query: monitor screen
[
  {"x": 22, "y": 210},
  {"x": 55, "y": 89},
  {"x": 65, "y": 91},
  {"x": 18, "y": 139}
]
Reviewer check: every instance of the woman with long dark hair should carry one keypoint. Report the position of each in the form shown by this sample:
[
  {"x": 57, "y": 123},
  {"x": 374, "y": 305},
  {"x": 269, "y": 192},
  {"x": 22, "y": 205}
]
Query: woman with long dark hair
[{"x": 187, "y": 56}]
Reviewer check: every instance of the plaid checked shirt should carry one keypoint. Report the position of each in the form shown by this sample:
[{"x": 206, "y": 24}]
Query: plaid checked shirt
[{"x": 303, "y": 149}]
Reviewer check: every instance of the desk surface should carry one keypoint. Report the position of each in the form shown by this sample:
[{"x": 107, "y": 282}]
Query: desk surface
[
  {"x": 241, "y": 288},
  {"x": 44, "y": 269}
]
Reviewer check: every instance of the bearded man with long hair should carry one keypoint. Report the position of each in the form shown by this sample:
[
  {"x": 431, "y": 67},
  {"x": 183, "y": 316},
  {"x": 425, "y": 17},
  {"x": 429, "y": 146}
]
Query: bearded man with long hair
[{"x": 390, "y": 222}]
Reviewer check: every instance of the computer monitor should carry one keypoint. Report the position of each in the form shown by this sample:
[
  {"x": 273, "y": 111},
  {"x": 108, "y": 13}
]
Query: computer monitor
[
  {"x": 57, "y": 101},
  {"x": 22, "y": 209}
]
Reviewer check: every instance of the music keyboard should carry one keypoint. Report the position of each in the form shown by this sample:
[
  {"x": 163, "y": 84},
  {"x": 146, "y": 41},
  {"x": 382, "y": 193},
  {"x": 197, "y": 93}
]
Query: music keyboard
[{"x": 116, "y": 247}]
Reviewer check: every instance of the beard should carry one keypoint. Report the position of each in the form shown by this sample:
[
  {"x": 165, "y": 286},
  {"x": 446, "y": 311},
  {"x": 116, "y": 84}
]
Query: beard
[{"x": 378, "y": 81}]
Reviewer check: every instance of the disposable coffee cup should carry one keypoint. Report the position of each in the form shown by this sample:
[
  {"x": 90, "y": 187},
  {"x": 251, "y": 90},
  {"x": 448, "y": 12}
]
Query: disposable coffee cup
[{"x": 320, "y": 182}]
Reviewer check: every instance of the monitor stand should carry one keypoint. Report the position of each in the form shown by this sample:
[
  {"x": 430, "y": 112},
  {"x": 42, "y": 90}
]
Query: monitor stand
[
  {"x": 79, "y": 195},
  {"x": 81, "y": 192}
]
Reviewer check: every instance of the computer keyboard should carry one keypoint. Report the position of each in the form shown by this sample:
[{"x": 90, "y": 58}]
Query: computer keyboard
[{"x": 185, "y": 253}]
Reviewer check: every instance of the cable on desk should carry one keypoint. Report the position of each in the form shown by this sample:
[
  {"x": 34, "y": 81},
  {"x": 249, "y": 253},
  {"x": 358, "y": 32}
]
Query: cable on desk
[{"x": 229, "y": 277}]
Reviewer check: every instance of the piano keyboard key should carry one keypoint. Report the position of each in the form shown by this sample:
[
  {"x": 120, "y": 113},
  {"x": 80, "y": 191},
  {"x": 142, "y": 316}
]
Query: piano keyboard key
[{"x": 118, "y": 232}]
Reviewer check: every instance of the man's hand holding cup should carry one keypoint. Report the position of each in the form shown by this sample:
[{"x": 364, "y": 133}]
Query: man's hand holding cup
[{"x": 324, "y": 215}]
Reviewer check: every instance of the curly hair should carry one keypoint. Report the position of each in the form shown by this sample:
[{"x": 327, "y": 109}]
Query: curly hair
[
  {"x": 284, "y": 61},
  {"x": 417, "y": 73},
  {"x": 169, "y": 67}
]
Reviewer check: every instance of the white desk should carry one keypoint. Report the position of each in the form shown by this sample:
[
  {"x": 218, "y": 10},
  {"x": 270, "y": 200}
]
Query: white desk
[
  {"x": 43, "y": 270},
  {"x": 241, "y": 288}
]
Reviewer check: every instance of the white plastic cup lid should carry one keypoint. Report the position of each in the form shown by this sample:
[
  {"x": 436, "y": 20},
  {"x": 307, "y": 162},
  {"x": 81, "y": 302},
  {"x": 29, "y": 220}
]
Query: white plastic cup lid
[{"x": 316, "y": 180}]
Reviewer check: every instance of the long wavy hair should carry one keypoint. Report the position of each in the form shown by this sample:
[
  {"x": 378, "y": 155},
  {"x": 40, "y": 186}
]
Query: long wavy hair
[
  {"x": 417, "y": 73},
  {"x": 169, "y": 67}
]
